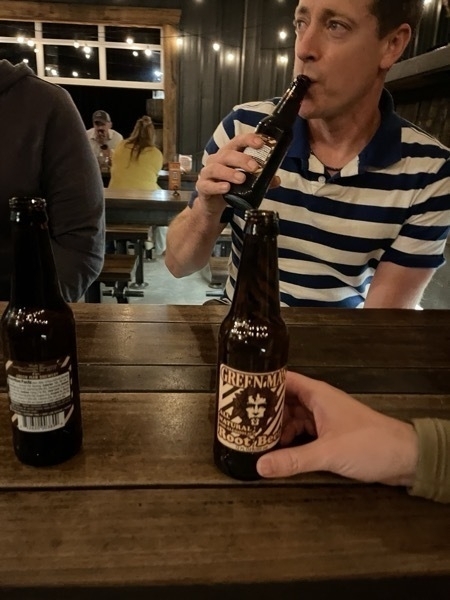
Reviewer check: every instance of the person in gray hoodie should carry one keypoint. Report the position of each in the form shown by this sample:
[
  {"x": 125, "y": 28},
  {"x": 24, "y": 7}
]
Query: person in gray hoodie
[{"x": 44, "y": 152}]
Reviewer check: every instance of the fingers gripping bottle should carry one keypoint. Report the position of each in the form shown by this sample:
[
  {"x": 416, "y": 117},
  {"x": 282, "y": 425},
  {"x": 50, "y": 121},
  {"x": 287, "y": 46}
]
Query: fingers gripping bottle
[{"x": 276, "y": 131}]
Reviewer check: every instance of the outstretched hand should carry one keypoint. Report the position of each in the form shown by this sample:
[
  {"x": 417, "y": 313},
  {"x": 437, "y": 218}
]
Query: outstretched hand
[{"x": 352, "y": 439}]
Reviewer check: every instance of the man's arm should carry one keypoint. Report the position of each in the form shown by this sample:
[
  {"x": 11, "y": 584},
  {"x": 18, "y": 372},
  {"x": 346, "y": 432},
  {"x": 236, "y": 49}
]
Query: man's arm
[
  {"x": 190, "y": 239},
  {"x": 191, "y": 236},
  {"x": 394, "y": 286}
]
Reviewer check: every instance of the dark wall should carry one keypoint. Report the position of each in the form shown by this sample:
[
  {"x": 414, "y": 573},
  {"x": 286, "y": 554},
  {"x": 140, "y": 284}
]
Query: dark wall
[
  {"x": 124, "y": 105},
  {"x": 209, "y": 86}
]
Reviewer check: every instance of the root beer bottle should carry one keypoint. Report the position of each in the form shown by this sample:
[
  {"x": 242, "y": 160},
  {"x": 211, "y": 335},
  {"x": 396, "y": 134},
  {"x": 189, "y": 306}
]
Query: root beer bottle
[
  {"x": 252, "y": 356},
  {"x": 39, "y": 346},
  {"x": 276, "y": 131}
]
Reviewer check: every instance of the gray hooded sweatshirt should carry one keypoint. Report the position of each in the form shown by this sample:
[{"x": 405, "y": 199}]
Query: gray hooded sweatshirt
[{"x": 44, "y": 152}]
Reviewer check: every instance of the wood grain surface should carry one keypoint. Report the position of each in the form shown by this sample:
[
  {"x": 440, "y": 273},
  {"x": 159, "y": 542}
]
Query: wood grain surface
[{"x": 142, "y": 509}]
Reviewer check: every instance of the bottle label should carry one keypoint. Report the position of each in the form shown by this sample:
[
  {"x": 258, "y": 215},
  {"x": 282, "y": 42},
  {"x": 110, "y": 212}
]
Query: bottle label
[
  {"x": 41, "y": 396},
  {"x": 262, "y": 155},
  {"x": 250, "y": 409}
]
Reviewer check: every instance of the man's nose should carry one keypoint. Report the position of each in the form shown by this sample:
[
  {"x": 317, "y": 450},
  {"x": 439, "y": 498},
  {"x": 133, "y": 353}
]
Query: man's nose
[{"x": 307, "y": 45}]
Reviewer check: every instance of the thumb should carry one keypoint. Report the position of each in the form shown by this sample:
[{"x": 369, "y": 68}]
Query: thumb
[{"x": 290, "y": 461}]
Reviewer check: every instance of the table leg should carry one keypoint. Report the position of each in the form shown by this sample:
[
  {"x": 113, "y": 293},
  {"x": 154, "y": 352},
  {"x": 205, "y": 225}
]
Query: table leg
[{"x": 139, "y": 252}]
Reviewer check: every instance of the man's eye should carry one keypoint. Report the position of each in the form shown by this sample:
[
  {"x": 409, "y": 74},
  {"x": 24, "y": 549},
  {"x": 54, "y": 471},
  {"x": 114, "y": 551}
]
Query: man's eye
[
  {"x": 336, "y": 26},
  {"x": 298, "y": 25}
]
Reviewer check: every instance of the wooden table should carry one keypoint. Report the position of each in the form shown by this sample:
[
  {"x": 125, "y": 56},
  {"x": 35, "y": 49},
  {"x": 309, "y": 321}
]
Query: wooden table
[
  {"x": 137, "y": 207},
  {"x": 143, "y": 513},
  {"x": 126, "y": 211}
]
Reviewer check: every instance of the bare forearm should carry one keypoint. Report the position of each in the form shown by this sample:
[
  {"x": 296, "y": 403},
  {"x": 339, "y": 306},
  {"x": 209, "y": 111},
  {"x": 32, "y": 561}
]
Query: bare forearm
[
  {"x": 190, "y": 240},
  {"x": 394, "y": 286}
]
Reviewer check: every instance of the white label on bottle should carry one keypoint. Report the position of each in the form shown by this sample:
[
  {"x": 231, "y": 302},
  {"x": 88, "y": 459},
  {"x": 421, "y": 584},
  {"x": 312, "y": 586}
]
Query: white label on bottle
[
  {"x": 40, "y": 394},
  {"x": 250, "y": 409},
  {"x": 40, "y": 424},
  {"x": 262, "y": 155}
]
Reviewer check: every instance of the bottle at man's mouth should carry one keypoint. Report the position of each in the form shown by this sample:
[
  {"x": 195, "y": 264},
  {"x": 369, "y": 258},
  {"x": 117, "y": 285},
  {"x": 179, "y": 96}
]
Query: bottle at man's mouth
[{"x": 276, "y": 131}]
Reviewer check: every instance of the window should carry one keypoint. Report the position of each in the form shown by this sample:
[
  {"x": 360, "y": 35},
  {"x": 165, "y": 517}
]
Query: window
[{"x": 86, "y": 54}]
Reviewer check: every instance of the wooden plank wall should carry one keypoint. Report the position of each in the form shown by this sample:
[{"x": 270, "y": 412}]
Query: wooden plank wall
[{"x": 429, "y": 108}]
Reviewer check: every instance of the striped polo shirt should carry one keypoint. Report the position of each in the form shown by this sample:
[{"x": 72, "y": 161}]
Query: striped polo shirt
[{"x": 390, "y": 203}]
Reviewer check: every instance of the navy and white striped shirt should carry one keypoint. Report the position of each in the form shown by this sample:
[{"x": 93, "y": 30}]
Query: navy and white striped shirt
[{"x": 390, "y": 203}]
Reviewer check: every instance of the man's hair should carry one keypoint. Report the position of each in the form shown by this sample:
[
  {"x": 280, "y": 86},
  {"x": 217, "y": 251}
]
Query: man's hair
[{"x": 390, "y": 14}]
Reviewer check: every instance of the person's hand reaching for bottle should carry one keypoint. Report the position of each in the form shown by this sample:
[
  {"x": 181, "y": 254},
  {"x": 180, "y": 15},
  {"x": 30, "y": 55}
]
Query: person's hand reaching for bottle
[{"x": 352, "y": 439}]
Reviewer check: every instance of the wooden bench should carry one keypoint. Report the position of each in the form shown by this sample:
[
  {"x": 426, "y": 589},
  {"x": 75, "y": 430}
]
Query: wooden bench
[
  {"x": 137, "y": 234},
  {"x": 118, "y": 270}
]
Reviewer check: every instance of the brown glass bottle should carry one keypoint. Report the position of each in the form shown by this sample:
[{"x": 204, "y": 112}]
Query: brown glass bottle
[
  {"x": 253, "y": 352},
  {"x": 39, "y": 346},
  {"x": 276, "y": 131}
]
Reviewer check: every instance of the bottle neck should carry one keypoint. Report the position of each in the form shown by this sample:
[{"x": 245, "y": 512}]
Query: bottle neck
[
  {"x": 289, "y": 105},
  {"x": 257, "y": 291},
  {"x": 34, "y": 280}
]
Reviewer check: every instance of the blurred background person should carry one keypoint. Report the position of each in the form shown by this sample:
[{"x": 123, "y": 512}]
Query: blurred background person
[
  {"x": 102, "y": 137},
  {"x": 45, "y": 153},
  {"x": 136, "y": 165},
  {"x": 137, "y": 161}
]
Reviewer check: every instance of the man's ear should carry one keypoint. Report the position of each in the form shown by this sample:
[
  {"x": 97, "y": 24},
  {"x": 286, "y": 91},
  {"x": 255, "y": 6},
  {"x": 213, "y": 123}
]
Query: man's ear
[{"x": 395, "y": 43}]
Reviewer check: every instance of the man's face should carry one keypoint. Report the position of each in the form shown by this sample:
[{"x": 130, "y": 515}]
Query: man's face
[
  {"x": 101, "y": 130},
  {"x": 338, "y": 47}
]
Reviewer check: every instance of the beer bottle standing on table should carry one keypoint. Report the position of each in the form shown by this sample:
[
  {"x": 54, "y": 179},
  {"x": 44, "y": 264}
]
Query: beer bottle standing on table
[
  {"x": 39, "y": 346},
  {"x": 276, "y": 131},
  {"x": 252, "y": 356}
]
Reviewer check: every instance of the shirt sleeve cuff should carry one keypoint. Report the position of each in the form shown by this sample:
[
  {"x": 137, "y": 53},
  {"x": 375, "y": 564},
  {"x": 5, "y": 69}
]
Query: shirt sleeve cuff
[{"x": 433, "y": 468}]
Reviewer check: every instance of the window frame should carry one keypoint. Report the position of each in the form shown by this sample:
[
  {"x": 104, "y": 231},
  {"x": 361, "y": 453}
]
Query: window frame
[{"x": 133, "y": 17}]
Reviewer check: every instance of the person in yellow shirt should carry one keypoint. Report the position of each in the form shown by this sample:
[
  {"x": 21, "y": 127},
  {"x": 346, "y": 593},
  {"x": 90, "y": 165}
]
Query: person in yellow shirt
[
  {"x": 135, "y": 164},
  {"x": 136, "y": 161}
]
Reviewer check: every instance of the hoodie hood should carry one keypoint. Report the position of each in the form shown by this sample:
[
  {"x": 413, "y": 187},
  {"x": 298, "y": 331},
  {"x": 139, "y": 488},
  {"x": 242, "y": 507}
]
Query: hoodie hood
[{"x": 11, "y": 74}]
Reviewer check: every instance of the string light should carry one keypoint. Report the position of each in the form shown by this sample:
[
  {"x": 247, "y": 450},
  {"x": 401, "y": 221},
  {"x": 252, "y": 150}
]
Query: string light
[
  {"x": 74, "y": 73},
  {"x": 130, "y": 40},
  {"x": 148, "y": 52},
  {"x": 282, "y": 34},
  {"x": 216, "y": 47}
]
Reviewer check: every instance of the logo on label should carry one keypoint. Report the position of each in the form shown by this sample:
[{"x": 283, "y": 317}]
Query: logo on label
[{"x": 250, "y": 409}]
